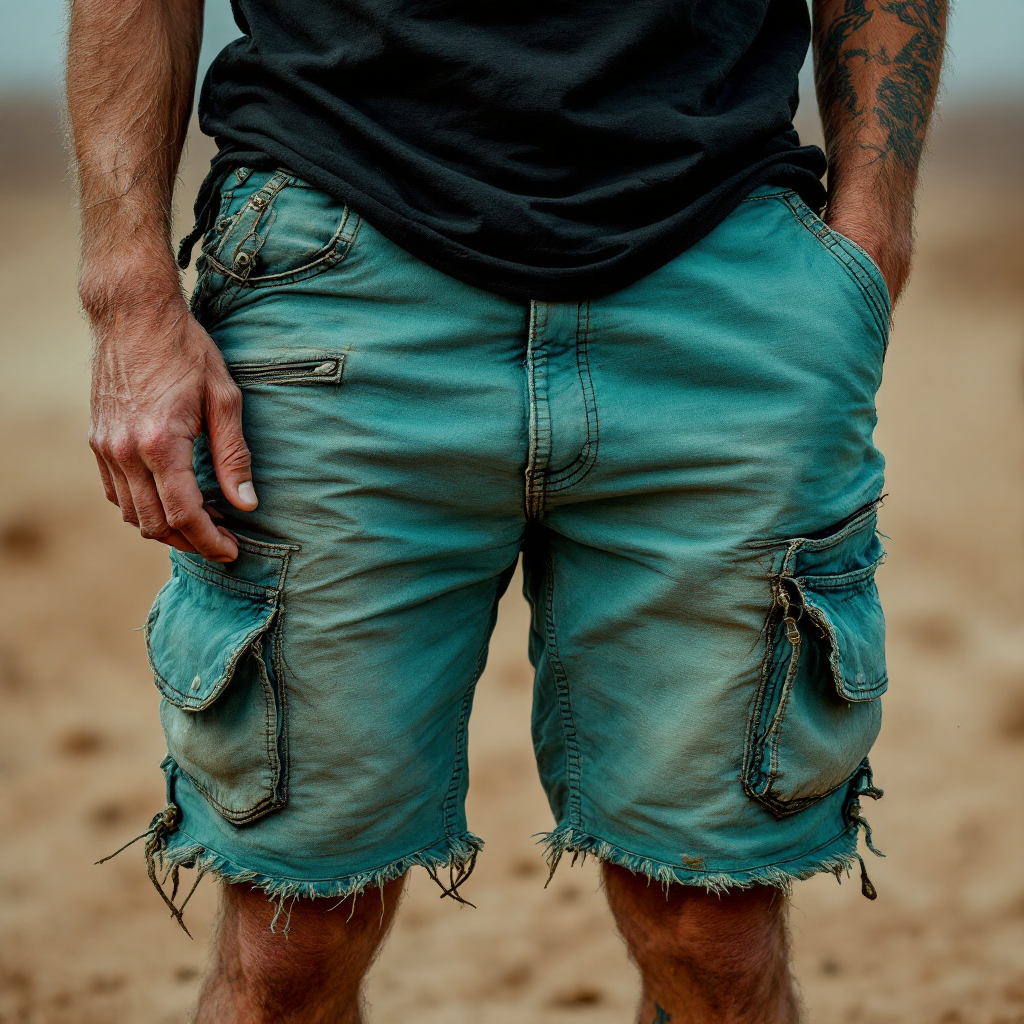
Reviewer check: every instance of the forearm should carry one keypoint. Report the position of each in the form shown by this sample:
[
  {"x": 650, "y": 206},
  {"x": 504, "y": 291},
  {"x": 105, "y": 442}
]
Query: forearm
[
  {"x": 130, "y": 83},
  {"x": 877, "y": 65},
  {"x": 158, "y": 380}
]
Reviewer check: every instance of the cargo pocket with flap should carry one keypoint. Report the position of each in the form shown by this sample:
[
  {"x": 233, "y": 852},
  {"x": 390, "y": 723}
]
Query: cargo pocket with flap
[
  {"x": 212, "y": 637},
  {"x": 818, "y": 711}
]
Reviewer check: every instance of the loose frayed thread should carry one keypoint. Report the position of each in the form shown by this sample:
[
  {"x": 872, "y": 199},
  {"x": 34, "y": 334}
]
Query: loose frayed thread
[
  {"x": 458, "y": 872},
  {"x": 160, "y": 829},
  {"x": 580, "y": 844},
  {"x": 455, "y": 854},
  {"x": 863, "y": 785}
]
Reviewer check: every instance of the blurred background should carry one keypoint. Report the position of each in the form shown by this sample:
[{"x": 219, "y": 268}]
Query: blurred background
[{"x": 79, "y": 734}]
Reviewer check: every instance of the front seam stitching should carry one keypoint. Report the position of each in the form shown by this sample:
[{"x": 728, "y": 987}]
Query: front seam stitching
[
  {"x": 536, "y": 460},
  {"x": 451, "y": 798},
  {"x": 570, "y": 734},
  {"x": 577, "y": 470}
]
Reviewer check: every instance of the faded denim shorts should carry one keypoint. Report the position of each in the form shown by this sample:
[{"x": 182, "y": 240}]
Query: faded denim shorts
[{"x": 685, "y": 469}]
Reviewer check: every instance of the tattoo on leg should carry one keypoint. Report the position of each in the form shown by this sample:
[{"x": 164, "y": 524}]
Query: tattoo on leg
[{"x": 661, "y": 1016}]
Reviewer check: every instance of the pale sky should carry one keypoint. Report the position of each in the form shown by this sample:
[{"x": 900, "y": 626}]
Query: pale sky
[{"x": 986, "y": 45}]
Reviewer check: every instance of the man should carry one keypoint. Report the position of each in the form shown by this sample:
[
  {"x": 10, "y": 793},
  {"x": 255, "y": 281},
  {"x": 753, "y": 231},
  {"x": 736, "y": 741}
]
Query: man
[{"x": 555, "y": 280}]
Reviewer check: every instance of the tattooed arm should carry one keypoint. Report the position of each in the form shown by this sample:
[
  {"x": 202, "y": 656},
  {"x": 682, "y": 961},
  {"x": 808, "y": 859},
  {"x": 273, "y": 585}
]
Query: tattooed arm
[{"x": 876, "y": 68}]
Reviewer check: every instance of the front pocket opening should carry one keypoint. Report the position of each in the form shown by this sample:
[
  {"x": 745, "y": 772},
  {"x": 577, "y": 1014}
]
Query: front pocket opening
[
  {"x": 858, "y": 264},
  {"x": 275, "y": 237},
  {"x": 324, "y": 369},
  {"x": 817, "y": 710}
]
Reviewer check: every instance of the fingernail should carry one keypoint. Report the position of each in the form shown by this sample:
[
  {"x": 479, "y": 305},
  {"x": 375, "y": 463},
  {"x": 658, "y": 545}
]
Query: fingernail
[{"x": 247, "y": 492}]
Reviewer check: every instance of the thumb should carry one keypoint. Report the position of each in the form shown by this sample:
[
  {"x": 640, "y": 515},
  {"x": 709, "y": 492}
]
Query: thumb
[{"x": 231, "y": 459}]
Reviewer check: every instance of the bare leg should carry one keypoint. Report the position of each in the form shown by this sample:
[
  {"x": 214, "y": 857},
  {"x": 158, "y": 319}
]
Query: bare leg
[
  {"x": 311, "y": 977},
  {"x": 706, "y": 959}
]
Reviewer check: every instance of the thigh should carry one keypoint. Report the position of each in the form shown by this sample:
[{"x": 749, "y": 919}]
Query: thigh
[
  {"x": 707, "y": 634},
  {"x": 383, "y": 404}
]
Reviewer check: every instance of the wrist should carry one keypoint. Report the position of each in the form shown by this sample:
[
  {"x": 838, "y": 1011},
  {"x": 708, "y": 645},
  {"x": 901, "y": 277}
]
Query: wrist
[
  {"x": 884, "y": 241},
  {"x": 890, "y": 244},
  {"x": 871, "y": 196},
  {"x": 130, "y": 285}
]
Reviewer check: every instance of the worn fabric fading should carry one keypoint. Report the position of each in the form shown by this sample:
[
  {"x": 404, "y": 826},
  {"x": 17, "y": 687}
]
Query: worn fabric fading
[{"x": 685, "y": 469}]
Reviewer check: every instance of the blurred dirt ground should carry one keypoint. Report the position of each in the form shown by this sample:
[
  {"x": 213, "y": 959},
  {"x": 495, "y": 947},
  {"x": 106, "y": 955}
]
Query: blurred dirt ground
[{"x": 80, "y": 740}]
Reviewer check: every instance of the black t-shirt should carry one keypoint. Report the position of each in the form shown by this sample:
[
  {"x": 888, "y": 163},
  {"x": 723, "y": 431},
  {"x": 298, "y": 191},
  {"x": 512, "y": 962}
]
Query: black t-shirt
[{"x": 541, "y": 149}]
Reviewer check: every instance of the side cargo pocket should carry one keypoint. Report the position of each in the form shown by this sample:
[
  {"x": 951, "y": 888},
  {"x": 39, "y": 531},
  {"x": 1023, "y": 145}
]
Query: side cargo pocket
[
  {"x": 818, "y": 709},
  {"x": 213, "y": 637}
]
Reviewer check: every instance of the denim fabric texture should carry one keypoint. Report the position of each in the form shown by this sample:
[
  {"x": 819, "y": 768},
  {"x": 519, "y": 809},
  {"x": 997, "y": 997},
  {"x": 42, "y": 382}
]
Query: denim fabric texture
[{"x": 686, "y": 470}]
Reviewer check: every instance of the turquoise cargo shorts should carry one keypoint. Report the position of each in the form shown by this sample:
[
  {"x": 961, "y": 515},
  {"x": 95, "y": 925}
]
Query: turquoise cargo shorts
[{"x": 685, "y": 469}]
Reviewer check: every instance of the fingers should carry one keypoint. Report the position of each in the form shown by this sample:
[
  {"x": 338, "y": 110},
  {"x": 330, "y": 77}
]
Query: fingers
[
  {"x": 153, "y": 483},
  {"x": 140, "y": 506},
  {"x": 230, "y": 453},
  {"x": 181, "y": 501},
  {"x": 108, "y": 483},
  {"x": 149, "y": 510},
  {"x": 179, "y": 541},
  {"x": 115, "y": 484},
  {"x": 123, "y": 491}
]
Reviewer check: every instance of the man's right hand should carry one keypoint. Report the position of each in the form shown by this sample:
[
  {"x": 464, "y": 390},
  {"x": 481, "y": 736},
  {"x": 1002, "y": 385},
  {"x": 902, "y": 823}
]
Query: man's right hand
[
  {"x": 158, "y": 382},
  {"x": 158, "y": 379}
]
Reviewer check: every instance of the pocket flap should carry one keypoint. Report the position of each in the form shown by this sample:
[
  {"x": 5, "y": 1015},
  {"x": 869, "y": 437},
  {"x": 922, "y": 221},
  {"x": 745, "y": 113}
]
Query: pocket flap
[
  {"x": 199, "y": 630},
  {"x": 849, "y": 615}
]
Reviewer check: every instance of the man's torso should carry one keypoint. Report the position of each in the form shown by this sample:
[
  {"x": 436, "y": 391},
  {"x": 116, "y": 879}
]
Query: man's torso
[{"x": 554, "y": 151}]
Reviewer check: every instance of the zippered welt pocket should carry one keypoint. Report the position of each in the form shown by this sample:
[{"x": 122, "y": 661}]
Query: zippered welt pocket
[{"x": 316, "y": 369}]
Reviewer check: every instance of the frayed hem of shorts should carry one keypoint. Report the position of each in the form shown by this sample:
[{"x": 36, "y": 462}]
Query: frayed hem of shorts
[
  {"x": 836, "y": 857},
  {"x": 169, "y": 849},
  {"x": 452, "y": 853}
]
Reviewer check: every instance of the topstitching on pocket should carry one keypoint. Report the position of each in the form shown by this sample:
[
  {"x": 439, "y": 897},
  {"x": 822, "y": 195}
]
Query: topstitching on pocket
[
  {"x": 284, "y": 231},
  {"x": 213, "y": 637},
  {"x": 274, "y": 231},
  {"x": 857, "y": 263},
  {"x": 817, "y": 711}
]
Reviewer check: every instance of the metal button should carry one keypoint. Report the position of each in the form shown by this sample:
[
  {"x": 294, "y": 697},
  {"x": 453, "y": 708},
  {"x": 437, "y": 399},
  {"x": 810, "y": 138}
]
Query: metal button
[
  {"x": 196, "y": 683},
  {"x": 258, "y": 202}
]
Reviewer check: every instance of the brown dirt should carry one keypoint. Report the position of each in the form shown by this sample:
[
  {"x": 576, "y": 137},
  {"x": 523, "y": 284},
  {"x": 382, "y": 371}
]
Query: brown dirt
[{"x": 80, "y": 741}]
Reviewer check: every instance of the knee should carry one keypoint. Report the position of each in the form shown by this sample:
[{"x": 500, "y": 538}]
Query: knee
[
  {"x": 310, "y": 967},
  {"x": 308, "y": 933},
  {"x": 738, "y": 932}
]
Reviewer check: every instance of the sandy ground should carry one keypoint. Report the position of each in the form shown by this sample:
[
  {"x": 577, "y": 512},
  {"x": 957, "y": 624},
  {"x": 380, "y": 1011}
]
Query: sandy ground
[{"x": 80, "y": 742}]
